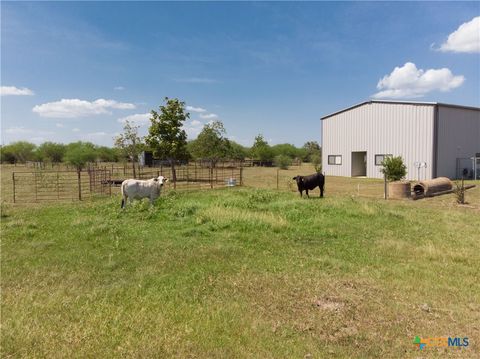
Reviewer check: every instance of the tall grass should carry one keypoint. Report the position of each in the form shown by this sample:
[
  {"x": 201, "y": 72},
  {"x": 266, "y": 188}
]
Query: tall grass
[{"x": 238, "y": 273}]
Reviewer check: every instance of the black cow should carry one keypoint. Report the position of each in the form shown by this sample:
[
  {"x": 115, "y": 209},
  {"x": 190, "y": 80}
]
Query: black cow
[{"x": 308, "y": 183}]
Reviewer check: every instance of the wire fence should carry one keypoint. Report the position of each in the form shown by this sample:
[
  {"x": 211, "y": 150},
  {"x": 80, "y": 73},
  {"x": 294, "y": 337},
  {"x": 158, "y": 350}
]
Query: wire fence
[
  {"x": 48, "y": 186},
  {"x": 25, "y": 185},
  {"x": 65, "y": 185},
  {"x": 282, "y": 180}
]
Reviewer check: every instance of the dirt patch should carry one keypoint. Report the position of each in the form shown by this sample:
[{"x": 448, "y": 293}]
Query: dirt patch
[{"x": 329, "y": 304}]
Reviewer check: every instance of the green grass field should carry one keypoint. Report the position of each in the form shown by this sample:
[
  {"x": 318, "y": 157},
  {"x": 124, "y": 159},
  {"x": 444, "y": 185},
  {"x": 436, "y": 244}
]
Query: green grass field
[{"x": 241, "y": 272}]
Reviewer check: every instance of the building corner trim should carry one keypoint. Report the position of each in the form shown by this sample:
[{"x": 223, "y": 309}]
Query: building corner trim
[{"x": 435, "y": 142}]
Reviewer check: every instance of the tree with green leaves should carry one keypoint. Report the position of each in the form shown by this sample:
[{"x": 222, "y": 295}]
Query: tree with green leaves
[
  {"x": 130, "y": 144},
  {"x": 51, "y": 152},
  {"x": 166, "y": 136},
  {"x": 316, "y": 161},
  {"x": 107, "y": 154},
  {"x": 6, "y": 154},
  {"x": 312, "y": 151},
  {"x": 212, "y": 143},
  {"x": 78, "y": 154},
  {"x": 282, "y": 161},
  {"x": 287, "y": 149},
  {"x": 261, "y": 150},
  {"x": 237, "y": 151},
  {"x": 393, "y": 168},
  {"x": 19, "y": 152}
]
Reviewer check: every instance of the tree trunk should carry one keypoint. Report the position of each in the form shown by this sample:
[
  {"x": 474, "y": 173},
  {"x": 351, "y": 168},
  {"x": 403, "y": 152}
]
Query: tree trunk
[
  {"x": 134, "y": 172},
  {"x": 174, "y": 174},
  {"x": 212, "y": 164},
  {"x": 79, "y": 178}
]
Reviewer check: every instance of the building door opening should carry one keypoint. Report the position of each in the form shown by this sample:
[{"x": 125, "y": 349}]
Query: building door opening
[{"x": 359, "y": 164}]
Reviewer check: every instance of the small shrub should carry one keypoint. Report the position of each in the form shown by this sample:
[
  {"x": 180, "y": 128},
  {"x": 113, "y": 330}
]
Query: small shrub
[
  {"x": 3, "y": 210},
  {"x": 282, "y": 162},
  {"x": 394, "y": 168},
  {"x": 292, "y": 185},
  {"x": 459, "y": 192},
  {"x": 260, "y": 197},
  {"x": 185, "y": 210},
  {"x": 316, "y": 161}
]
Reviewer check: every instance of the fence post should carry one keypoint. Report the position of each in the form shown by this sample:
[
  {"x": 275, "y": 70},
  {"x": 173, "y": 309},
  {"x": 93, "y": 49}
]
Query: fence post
[
  {"x": 241, "y": 176},
  {"x": 58, "y": 188},
  {"x": 211, "y": 176},
  {"x": 79, "y": 185},
  {"x": 385, "y": 190},
  {"x": 174, "y": 176},
  {"x": 13, "y": 180},
  {"x": 278, "y": 172},
  {"x": 36, "y": 194},
  {"x": 91, "y": 174}
]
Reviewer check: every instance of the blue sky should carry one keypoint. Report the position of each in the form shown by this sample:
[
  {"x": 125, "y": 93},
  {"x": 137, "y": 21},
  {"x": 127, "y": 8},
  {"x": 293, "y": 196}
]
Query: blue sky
[{"x": 75, "y": 71}]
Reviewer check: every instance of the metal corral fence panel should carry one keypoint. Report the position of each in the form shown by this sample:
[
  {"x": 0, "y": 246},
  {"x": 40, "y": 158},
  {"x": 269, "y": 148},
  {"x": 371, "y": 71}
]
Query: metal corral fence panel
[
  {"x": 45, "y": 186},
  {"x": 189, "y": 176}
]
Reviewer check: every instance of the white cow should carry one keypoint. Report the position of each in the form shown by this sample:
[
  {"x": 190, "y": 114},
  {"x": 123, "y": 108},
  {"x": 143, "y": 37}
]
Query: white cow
[{"x": 138, "y": 189}]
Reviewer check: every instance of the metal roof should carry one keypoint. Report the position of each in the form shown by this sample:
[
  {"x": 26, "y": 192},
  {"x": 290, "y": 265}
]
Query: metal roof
[{"x": 401, "y": 102}]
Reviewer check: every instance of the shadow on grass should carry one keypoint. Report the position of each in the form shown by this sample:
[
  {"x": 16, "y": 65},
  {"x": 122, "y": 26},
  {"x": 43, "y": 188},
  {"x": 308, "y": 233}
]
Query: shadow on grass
[{"x": 313, "y": 197}]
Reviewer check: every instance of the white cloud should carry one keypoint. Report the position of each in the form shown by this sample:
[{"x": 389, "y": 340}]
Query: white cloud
[
  {"x": 193, "y": 128},
  {"x": 37, "y": 139},
  {"x": 21, "y": 133},
  {"x": 465, "y": 39},
  {"x": 15, "y": 91},
  {"x": 59, "y": 125},
  {"x": 409, "y": 82},
  {"x": 119, "y": 88},
  {"x": 72, "y": 108},
  {"x": 208, "y": 116},
  {"x": 75, "y": 130},
  {"x": 195, "y": 109},
  {"x": 100, "y": 137},
  {"x": 97, "y": 134},
  {"x": 138, "y": 119},
  {"x": 18, "y": 130}
]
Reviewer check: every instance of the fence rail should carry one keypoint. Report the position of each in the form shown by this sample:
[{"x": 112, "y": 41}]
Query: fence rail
[{"x": 64, "y": 185}]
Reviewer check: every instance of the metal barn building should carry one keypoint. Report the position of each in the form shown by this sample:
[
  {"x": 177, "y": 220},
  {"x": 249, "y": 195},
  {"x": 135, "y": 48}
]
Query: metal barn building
[{"x": 434, "y": 139}]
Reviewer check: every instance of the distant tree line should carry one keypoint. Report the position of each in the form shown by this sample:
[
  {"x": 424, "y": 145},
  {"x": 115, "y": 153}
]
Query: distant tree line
[
  {"x": 168, "y": 141},
  {"x": 51, "y": 152}
]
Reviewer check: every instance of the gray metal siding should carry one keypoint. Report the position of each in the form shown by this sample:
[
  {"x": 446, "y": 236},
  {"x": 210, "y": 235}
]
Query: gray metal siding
[
  {"x": 458, "y": 136},
  {"x": 380, "y": 128}
]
